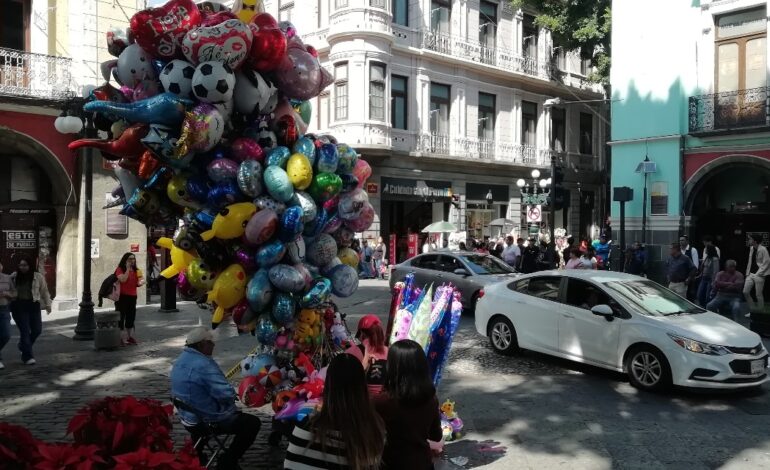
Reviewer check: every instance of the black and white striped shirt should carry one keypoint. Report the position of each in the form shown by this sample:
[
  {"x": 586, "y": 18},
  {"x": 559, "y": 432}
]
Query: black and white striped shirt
[{"x": 304, "y": 454}]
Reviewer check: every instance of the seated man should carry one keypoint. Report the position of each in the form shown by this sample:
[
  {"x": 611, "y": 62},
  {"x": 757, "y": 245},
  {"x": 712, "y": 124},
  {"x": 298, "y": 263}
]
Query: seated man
[
  {"x": 729, "y": 287},
  {"x": 197, "y": 381}
]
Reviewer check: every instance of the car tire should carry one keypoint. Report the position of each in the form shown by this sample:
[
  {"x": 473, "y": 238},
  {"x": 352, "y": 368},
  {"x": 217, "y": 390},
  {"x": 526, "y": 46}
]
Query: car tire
[
  {"x": 502, "y": 336},
  {"x": 648, "y": 369}
]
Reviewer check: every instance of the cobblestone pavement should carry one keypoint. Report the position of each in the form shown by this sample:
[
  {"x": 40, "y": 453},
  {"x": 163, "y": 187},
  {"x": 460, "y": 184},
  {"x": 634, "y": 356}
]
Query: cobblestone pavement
[{"x": 528, "y": 411}]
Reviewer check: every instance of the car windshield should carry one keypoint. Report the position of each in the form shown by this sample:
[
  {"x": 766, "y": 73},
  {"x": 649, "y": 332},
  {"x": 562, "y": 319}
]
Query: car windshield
[
  {"x": 652, "y": 298},
  {"x": 481, "y": 265}
]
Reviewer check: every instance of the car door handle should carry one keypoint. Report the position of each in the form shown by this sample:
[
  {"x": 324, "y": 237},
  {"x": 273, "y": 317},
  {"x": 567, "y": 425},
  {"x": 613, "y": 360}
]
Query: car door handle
[{"x": 567, "y": 315}]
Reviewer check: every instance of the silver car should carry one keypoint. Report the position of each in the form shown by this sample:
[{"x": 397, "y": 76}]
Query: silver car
[{"x": 470, "y": 272}]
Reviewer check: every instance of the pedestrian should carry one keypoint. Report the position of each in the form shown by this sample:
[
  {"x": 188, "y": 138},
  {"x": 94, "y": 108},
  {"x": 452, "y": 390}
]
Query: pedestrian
[
  {"x": 708, "y": 240},
  {"x": 366, "y": 259},
  {"x": 372, "y": 352},
  {"x": 603, "y": 252},
  {"x": 520, "y": 244},
  {"x": 588, "y": 258},
  {"x": 130, "y": 278},
  {"x": 511, "y": 252},
  {"x": 347, "y": 433},
  {"x": 636, "y": 260},
  {"x": 379, "y": 258},
  {"x": 409, "y": 408},
  {"x": 462, "y": 247},
  {"x": 692, "y": 253},
  {"x": 680, "y": 270},
  {"x": 574, "y": 261},
  {"x": 567, "y": 250},
  {"x": 728, "y": 285},
  {"x": 757, "y": 269},
  {"x": 199, "y": 383},
  {"x": 31, "y": 296},
  {"x": 529, "y": 257},
  {"x": 7, "y": 294},
  {"x": 547, "y": 257},
  {"x": 708, "y": 271}
]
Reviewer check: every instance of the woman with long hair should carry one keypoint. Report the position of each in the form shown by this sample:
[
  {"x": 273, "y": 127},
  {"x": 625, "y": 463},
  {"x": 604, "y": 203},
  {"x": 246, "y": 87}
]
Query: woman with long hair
[
  {"x": 372, "y": 352},
  {"x": 709, "y": 268},
  {"x": 130, "y": 278},
  {"x": 31, "y": 296},
  {"x": 347, "y": 433},
  {"x": 409, "y": 408}
]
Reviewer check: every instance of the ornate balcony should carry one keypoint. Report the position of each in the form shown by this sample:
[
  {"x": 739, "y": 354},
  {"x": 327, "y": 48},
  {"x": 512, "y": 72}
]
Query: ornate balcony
[
  {"x": 492, "y": 151},
  {"x": 729, "y": 111},
  {"x": 30, "y": 75}
]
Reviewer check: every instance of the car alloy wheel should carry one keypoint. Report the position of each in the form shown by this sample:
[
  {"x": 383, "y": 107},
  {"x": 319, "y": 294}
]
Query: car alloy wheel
[
  {"x": 648, "y": 369},
  {"x": 502, "y": 336}
]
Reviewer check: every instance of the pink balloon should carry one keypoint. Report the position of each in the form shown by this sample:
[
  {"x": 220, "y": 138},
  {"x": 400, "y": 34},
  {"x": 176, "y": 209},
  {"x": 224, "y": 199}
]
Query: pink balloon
[
  {"x": 362, "y": 171},
  {"x": 222, "y": 169},
  {"x": 300, "y": 75},
  {"x": 244, "y": 148},
  {"x": 261, "y": 227},
  {"x": 364, "y": 221}
]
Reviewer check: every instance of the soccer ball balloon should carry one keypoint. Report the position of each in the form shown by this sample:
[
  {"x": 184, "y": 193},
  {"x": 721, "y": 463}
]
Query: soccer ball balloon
[
  {"x": 213, "y": 82},
  {"x": 176, "y": 77}
]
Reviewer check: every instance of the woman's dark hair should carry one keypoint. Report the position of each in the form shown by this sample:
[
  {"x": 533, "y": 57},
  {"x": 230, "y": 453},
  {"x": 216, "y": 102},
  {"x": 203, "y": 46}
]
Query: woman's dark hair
[
  {"x": 122, "y": 264},
  {"x": 462, "y": 246},
  {"x": 576, "y": 252},
  {"x": 407, "y": 378},
  {"x": 711, "y": 251},
  {"x": 348, "y": 412},
  {"x": 29, "y": 275}
]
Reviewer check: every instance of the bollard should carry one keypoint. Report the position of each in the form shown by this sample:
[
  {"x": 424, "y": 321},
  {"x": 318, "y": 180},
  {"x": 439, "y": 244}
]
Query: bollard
[{"x": 107, "y": 333}]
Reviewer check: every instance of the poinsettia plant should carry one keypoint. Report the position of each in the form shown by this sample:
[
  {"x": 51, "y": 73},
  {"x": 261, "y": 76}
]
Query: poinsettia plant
[
  {"x": 17, "y": 447},
  {"x": 144, "y": 459},
  {"x": 121, "y": 425},
  {"x": 69, "y": 457}
]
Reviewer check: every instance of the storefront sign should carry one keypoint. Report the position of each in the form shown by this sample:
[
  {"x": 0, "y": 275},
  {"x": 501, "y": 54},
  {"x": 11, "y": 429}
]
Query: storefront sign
[
  {"x": 412, "y": 245},
  {"x": 372, "y": 188},
  {"x": 410, "y": 190},
  {"x": 134, "y": 248},
  {"x": 392, "y": 239},
  {"x": 659, "y": 198},
  {"x": 20, "y": 239}
]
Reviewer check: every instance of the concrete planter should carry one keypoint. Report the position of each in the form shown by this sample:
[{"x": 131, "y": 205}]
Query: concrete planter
[{"x": 107, "y": 334}]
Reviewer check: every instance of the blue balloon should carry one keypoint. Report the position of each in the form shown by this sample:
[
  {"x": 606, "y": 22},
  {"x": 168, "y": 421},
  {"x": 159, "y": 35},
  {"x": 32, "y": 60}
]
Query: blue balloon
[
  {"x": 197, "y": 188},
  {"x": 204, "y": 219},
  {"x": 259, "y": 291},
  {"x": 333, "y": 224},
  {"x": 328, "y": 159},
  {"x": 158, "y": 65},
  {"x": 291, "y": 224},
  {"x": 344, "y": 280},
  {"x": 224, "y": 193},
  {"x": 309, "y": 208},
  {"x": 349, "y": 182},
  {"x": 283, "y": 309},
  {"x": 306, "y": 147},
  {"x": 278, "y": 184},
  {"x": 270, "y": 254},
  {"x": 266, "y": 331},
  {"x": 348, "y": 158},
  {"x": 317, "y": 295},
  {"x": 286, "y": 278},
  {"x": 278, "y": 157},
  {"x": 166, "y": 108}
]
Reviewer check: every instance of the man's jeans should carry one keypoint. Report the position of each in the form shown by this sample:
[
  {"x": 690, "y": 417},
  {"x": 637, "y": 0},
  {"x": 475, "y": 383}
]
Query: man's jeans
[
  {"x": 28, "y": 320},
  {"x": 757, "y": 282},
  {"x": 721, "y": 301},
  {"x": 5, "y": 327}
]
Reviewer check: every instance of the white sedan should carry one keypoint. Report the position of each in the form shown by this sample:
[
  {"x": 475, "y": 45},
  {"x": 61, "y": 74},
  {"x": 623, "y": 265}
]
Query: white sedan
[{"x": 624, "y": 323}]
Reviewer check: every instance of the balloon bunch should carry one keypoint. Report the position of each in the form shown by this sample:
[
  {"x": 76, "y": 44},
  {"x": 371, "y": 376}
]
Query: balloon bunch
[{"x": 206, "y": 111}]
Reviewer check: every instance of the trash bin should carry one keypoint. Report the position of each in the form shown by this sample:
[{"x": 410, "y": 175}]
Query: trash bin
[{"x": 107, "y": 334}]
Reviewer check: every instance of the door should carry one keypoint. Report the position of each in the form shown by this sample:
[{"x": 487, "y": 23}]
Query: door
[
  {"x": 535, "y": 313},
  {"x": 582, "y": 334},
  {"x": 426, "y": 268}
]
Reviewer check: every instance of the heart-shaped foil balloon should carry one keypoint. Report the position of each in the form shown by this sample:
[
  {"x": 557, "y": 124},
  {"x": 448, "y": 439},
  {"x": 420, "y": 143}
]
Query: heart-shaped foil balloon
[
  {"x": 160, "y": 30},
  {"x": 228, "y": 42}
]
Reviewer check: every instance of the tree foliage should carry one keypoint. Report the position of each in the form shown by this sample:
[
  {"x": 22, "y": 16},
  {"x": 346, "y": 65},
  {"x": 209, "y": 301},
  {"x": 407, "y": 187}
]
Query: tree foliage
[{"x": 582, "y": 25}]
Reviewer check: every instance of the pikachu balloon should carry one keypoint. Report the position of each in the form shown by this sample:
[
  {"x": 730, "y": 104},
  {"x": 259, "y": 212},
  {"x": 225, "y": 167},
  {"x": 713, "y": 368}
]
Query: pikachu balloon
[
  {"x": 229, "y": 288},
  {"x": 230, "y": 222},
  {"x": 180, "y": 258},
  {"x": 248, "y": 9}
]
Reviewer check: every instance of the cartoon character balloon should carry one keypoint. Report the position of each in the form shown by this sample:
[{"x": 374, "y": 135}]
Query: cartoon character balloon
[{"x": 229, "y": 288}]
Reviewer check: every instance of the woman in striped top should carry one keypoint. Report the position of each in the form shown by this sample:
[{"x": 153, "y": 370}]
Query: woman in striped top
[{"x": 347, "y": 433}]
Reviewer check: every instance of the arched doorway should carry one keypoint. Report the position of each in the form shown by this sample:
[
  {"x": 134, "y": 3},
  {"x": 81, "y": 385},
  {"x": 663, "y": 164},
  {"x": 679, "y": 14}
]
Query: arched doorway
[{"x": 729, "y": 198}]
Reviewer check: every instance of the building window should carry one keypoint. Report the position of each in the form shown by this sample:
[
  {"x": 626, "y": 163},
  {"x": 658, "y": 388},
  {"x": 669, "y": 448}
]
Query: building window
[
  {"x": 398, "y": 96},
  {"x": 586, "y": 134},
  {"x": 323, "y": 111},
  {"x": 558, "y": 129},
  {"x": 741, "y": 46},
  {"x": 376, "y": 91},
  {"x": 585, "y": 66},
  {"x": 14, "y": 26},
  {"x": 440, "y": 16},
  {"x": 400, "y": 9},
  {"x": 377, "y": 3},
  {"x": 529, "y": 34},
  {"x": 487, "y": 23},
  {"x": 487, "y": 114},
  {"x": 285, "y": 8},
  {"x": 528, "y": 123},
  {"x": 340, "y": 4},
  {"x": 439, "y": 108},
  {"x": 559, "y": 59},
  {"x": 341, "y": 91}
]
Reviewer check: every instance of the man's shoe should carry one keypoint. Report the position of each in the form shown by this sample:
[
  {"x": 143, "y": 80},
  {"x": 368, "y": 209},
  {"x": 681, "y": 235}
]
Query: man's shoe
[{"x": 30, "y": 362}]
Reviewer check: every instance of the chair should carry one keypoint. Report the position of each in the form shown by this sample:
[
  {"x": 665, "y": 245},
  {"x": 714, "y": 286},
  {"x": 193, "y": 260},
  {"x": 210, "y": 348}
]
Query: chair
[{"x": 207, "y": 437}]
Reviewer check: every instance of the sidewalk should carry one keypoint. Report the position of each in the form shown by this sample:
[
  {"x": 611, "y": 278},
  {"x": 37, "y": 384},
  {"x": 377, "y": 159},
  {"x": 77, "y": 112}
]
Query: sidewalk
[{"x": 71, "y": 373}]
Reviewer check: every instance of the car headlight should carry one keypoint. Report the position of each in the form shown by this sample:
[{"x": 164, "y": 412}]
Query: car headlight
[{"x": 698, "y": 347}]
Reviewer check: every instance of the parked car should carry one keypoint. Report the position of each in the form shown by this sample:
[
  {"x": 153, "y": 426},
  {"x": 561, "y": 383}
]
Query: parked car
[
  {"x": 470, "y": 272},
  {"x": 624, "y": 323}
]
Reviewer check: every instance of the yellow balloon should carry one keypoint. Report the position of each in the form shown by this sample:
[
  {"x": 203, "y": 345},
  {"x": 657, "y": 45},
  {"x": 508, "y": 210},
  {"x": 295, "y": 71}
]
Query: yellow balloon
[
  {"x": 248, "y": 9},
  {"x": 228, "y": 290},
  {"x": 200, "y": 275},
  {"x": 177, "y": 192},
  {"x": 230, "y": 222},
  {"x": 180, "y": 258},
  {"x": 348, "y": 256},
  {"x": 300, "y": 171}
]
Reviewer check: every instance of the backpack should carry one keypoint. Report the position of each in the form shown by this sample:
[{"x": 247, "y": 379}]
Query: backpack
[{"x": 110, "y": 289}]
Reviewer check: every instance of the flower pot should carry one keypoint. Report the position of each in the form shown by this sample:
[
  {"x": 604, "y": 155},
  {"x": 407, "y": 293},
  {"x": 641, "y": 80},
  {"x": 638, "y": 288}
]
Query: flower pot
[{"x": 107, "y": 333}]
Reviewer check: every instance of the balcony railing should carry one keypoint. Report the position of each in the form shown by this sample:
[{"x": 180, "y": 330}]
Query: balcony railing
[
  {"x": 466, "y": 148},
  {"x": 26, "y": 74},
  {"x": 730, "y": 110}
]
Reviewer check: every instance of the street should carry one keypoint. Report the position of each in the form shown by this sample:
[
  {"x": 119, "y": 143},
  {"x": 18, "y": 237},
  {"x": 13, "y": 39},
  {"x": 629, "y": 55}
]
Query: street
[{"x": 528, "y": 411}]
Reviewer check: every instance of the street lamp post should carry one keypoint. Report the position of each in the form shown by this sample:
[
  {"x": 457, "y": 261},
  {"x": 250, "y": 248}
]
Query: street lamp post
[
  {"x": 73, "y": 124},
  {"x": 537, "y": 193}
]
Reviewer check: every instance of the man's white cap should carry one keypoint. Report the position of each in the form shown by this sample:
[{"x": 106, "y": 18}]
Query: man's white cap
[{"x": 198, "y": 334}]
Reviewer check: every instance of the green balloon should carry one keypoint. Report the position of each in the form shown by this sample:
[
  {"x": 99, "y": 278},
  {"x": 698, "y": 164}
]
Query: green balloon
[
  {"x": 325, "y": 186},
  {"x": 305, "y": 110}
]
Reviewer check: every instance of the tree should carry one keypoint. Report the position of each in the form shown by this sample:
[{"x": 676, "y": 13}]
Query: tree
[{"x": 582, "y": 25}]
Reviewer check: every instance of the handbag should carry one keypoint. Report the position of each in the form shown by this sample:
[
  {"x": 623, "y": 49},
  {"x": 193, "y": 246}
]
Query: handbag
[{"x": 114, "y": 294}]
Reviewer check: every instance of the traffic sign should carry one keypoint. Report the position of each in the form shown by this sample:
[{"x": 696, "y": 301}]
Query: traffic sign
[{"x": 534, "y": 214}]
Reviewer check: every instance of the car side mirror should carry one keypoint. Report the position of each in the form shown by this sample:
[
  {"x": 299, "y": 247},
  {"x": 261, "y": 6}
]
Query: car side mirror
[
  {"x": 460, "y": 272},
  {"x": 603, "y": 310}
]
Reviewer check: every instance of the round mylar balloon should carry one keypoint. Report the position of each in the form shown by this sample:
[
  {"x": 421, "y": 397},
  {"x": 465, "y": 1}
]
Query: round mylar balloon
[
  {"x": 266, "y": 330},
  {"x": 278, "y": 184},
  {"x": 325, "y": 186},
  {"x": 278, "y": 157},
  {"x": 364, "y": 220},
  {"x": 299, "y": 170},
  {"x": 348, "y": 256},
  {"x": 306, "y": 147},
  {"x": 352, "y": 203},
  {"x": 270, "y": 254},
  {"x": 259, "y": 291},
  {"x": 286, "y": 278},
  {"x": 186, "y": 290},
  {"x": 266, "y": 202},
  {"x": 309, "y": 209},
  {"x": 291, "y": 224},
  {"x": 328, "y": 158},
  {"x": 317, "y": 295},
  {"x": 202, "y": 129},
  {"x": 223, "y": 169},
  {"x": 296, "y": 249},
  {"x": 250, "y": 178},
  {"x": 283, "y": 308},
  {"x": 307, "y": 276},
  {"x": 344, "y": 280},
  {"x": 261, "y": 227},
  {"x": 246, "y": 258},
  {"x": 322, "y": 251},
  {"x": 362, "y": 171},
  {"x": 344, "y": 237},
  {"x": 244, "y": 148},
  {"x": 200, "y": 275},
  {"x": 348, "y": 158}
]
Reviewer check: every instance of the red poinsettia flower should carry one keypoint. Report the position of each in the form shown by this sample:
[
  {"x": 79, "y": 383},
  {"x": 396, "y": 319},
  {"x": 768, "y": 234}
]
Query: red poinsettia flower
[
  {"x": 145, "y": 459},
  {"x": 68, "y": 457},
  {"x": 17, "y": 446}
]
